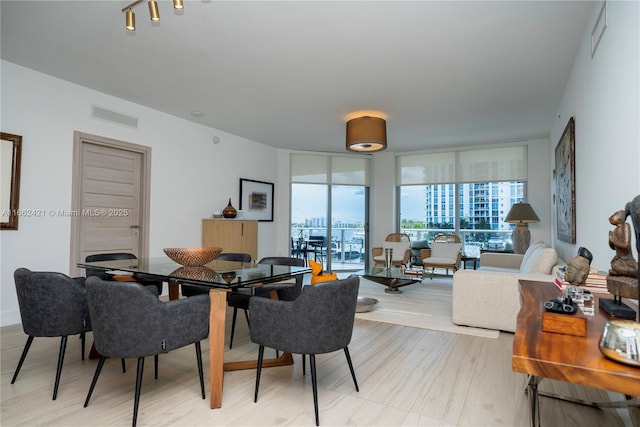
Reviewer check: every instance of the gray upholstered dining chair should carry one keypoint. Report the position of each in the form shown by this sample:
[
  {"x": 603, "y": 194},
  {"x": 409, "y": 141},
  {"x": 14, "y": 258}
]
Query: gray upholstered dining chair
[
  {"x": 286, "y": 291},
  {"x": 113, "y": 256},
  {"x": 125, "y": 318},
  {"x": 189, "y": 291},
  {"x": 323, "y": 316},
  {"x": 51, "y": 305}
]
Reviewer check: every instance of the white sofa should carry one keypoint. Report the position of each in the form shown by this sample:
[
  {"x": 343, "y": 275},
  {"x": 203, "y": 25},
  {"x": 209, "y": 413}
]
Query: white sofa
[{"x": 489, "y": 297}]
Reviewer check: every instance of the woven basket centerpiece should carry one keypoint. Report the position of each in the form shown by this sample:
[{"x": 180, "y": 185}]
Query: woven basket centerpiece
[{"x": 193, "y": 257}]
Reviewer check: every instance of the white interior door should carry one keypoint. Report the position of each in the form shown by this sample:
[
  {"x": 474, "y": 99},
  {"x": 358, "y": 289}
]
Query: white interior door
[
  {"x": 109, "y": 198},
  {"x": 110, "y": 219}
]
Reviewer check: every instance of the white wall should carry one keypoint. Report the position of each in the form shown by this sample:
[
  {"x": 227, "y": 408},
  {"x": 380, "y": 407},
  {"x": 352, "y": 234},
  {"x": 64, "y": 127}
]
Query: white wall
[
  {"x": 603, "y": 94},
  {"x": 190, "y": 176}
]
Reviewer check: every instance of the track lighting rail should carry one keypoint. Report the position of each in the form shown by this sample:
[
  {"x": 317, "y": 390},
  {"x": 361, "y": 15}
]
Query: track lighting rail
[{"x": 154, "y": 14}]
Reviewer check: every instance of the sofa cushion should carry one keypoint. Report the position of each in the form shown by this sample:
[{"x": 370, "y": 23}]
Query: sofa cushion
[
  {"x": 434, "y": 260},
  {"x": 541, "y": 261}
]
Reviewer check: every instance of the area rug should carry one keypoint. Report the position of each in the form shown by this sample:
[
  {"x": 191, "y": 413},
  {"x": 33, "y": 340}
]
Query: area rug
[{"x": 425, "y": 305}]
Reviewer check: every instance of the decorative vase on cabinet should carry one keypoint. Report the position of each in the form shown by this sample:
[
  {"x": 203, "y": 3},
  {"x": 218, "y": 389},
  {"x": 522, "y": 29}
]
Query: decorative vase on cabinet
[{"x": 229, "y": 211}]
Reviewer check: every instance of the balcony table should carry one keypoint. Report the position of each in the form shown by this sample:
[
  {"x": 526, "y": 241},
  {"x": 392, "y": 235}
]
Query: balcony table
[{"x": 218, "y": 277}]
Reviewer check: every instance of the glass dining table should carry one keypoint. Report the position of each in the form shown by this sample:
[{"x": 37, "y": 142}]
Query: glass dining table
[{"x": 219, "y": 277}]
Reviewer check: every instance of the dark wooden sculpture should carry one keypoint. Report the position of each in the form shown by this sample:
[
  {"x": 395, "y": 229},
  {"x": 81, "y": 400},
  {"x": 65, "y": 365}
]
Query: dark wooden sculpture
[{"x": 622, "y": 280}]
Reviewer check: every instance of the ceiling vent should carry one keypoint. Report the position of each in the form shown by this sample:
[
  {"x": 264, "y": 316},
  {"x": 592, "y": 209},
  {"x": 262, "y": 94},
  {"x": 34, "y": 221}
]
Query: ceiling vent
[{"x": 112, "y": 116}]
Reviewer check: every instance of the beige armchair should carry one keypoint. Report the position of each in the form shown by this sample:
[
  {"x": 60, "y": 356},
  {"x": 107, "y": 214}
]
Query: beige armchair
[
  {"x": 401, "y": 245},
  {"x": 445, "y": 252}
]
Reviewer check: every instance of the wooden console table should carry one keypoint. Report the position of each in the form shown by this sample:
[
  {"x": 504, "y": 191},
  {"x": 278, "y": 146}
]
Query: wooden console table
[{"x": 569, "y": 358}]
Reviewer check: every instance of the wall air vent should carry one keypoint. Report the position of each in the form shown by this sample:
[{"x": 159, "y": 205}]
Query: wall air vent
[{"x": 112, "y": 116}]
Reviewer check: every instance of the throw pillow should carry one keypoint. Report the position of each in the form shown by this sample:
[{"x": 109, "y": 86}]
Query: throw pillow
[
  {"x": 399, "y": 249},
  {"x": 530, "y": 250},
  {"x": 541, "y": 261},
  {"x": 445, "y": 250}
]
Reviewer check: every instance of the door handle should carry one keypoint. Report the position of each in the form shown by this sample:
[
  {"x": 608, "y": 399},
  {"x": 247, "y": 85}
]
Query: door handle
[{"x": 134, "y": 226}]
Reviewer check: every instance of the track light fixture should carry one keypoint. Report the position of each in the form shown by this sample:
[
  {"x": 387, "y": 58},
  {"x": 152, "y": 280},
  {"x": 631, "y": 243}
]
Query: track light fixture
[
  {"x": 131, "y": 20},
  {"x": 154, "y": 13}
]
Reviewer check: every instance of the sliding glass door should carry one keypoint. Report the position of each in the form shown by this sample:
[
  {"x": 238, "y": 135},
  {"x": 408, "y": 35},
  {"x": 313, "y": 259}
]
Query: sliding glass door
[
  {"x": 329, "y": 205},
  {"x": 328, "y": 224}
]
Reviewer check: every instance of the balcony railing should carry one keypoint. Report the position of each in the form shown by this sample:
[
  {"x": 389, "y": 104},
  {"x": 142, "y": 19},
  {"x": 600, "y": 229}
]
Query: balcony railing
[
  {"x": 473, "y": 241},
  {"x": 347, "y": 246}
]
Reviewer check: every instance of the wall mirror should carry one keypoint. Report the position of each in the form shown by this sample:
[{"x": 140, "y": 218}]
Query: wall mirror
[{"x": 10, "y": 155}]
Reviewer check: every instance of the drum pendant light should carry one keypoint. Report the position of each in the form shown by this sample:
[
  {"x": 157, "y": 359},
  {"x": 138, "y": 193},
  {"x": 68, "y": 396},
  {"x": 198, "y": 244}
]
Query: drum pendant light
[{"x": 366, "y": 134}]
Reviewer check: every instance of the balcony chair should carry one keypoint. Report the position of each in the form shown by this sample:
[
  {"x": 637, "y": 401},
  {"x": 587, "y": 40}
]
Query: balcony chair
[
  {"x": 51, "y": 305},
  {"x": 400, "y": 243},
  {"x": 323, "y": 316},
  {"x": 125, "y": 324},
  {"x": 318, "y": 246},
  {"x": 287, "y": 291},
  {"x": 445, "y": 252}
]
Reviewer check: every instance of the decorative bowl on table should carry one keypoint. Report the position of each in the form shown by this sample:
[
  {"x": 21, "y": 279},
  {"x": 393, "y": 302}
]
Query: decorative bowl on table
[
  {"x": 193, "y": 257},
  {"x": 196, "y": 273},
  {"x": 365, "y": 304}
]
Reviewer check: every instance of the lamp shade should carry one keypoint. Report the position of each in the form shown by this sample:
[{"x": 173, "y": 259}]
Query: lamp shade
[
  {"x": 522, "y": 212},
  {"x": 366, "y": 134}
]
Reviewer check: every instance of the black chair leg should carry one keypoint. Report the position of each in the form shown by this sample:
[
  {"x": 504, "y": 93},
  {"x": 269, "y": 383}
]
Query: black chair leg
[
  {"x": 136, "y": 401},
  {"x": 200, "y": 374},
  {"x": 95, "y": 379},
  {"x": 353, "y": 373},
  {"x": 82, "y": 339},
  {"x": 124, "y": 366},
  {"x": 155, "y": 366},
  {"x": 63, "y": 347},
  {"x": 258, "y": 371},
  {"x": 304, "y": 364},
  {"x": 233, "y": 326},
  {"x": 27, "y": 346},
  {"x": 314, "y": 386}
]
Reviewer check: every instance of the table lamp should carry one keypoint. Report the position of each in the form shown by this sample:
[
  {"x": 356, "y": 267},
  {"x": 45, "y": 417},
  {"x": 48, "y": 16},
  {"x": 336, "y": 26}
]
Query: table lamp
[{"x": 521, "y": 214}]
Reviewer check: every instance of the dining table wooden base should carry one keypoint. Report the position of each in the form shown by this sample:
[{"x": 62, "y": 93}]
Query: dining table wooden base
[
  {"x": 284, "y": 360},
  {"x": 174, "y": 290},
  {"x": 217, "y": 319}
]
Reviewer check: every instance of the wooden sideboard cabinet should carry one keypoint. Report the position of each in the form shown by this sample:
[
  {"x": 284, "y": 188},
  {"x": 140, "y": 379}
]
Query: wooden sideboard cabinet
[{"x": 232, "y": 235}]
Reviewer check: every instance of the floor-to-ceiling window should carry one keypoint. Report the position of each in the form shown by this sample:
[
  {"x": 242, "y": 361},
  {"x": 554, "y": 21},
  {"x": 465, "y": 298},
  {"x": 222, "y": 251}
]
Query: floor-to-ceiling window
[
  {"x": 329, "y": 200},
  {"x": 466, "y": 192}
]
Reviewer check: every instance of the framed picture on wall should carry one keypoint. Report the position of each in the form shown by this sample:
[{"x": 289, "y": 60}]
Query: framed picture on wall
[
  {"x": 256, "y": 199},
  {"x": 10, "y": 158},
  {"x": 565, "y": 177}
]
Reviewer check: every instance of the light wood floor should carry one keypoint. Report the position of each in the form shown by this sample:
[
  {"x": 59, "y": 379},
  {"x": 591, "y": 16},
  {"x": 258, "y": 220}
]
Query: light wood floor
[{"x": 407, "y": 377}]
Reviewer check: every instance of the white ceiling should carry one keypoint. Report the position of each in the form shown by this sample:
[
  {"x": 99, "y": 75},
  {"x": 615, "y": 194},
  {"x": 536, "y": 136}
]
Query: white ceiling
[{"x": 287, "y": 74}]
